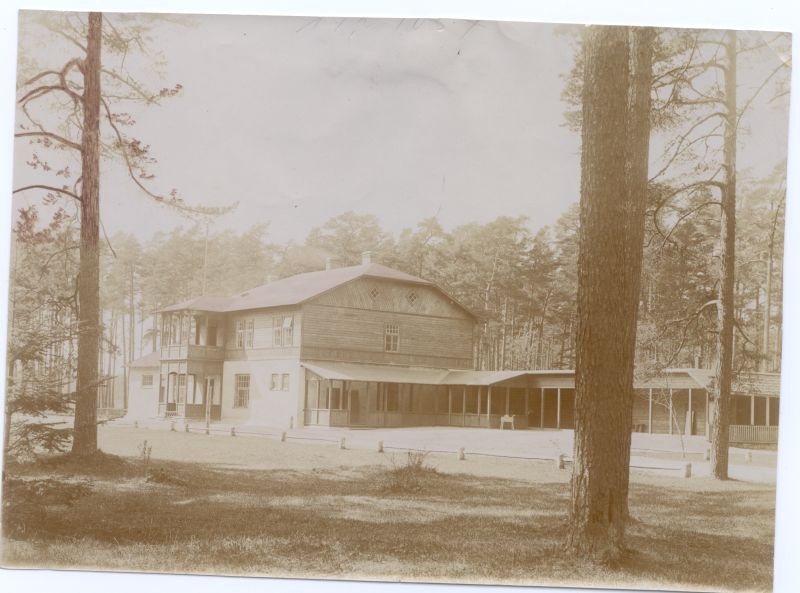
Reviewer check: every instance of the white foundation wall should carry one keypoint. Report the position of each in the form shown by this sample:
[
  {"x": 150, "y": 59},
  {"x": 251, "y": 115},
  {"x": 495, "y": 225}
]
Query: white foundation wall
[
  {"x": 142, "y": 401},
  {"x": 267, "y": 407}
]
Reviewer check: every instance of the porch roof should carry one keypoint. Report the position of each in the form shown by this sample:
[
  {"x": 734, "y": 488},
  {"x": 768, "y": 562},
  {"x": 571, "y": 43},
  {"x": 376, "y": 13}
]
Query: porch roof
[
  {"x": 348, "y": 371},
  {"x": 689, "y": 378}
]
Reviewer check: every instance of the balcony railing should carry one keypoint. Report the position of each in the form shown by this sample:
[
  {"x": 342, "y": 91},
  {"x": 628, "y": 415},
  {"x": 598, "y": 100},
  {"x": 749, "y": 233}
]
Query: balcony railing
[{"x": 196, "y": 352}]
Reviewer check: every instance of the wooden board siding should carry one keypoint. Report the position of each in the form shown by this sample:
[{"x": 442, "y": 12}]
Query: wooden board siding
[
  {"x": 347, "y": 334},
  {"x": 385, "y": 295}
]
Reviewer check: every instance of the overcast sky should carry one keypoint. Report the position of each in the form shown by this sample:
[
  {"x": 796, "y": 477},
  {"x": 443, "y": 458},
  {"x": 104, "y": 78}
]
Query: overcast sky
[{"x": 301, "y": 119}]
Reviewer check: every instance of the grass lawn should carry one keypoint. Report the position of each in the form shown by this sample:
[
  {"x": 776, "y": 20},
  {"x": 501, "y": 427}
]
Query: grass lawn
[{"x": 261, "y": 507}]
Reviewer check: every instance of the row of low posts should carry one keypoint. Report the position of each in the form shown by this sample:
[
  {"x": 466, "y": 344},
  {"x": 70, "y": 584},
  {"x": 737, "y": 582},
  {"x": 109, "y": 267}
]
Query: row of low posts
[{"x": 559, "y": 460}]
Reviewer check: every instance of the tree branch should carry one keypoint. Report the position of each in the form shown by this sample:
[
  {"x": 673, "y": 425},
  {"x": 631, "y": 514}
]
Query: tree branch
[
  {"x": 63, "y": 141},
  {"x": 50, "y": 188},
  {"x": 150, "y": 99},
  {"x": 681, "y": 139},
  {"x": 178, "y": 205},
  {"x": 683, "y": 217}
]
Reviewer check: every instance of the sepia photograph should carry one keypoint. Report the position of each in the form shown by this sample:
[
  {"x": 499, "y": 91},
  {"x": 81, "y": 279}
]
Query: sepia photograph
[{"x": 391, "y": 299}]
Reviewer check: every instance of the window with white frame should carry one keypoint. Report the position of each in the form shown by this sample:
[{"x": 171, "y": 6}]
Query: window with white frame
[
  {"x": 288, "y": 330},
  {"x": 147, "y": 381},
  {"x": 181, "y": 389},
  {"x": 250, "y": 330},
  {"x": 282, "y": 330},
  {"x": 391, "y": 337},
  {"x": 277, "y": 330},
  {"x": 242, "y": 396},
  {"x": 245, "y": 329},
  {"x": 279, "y": 382}
]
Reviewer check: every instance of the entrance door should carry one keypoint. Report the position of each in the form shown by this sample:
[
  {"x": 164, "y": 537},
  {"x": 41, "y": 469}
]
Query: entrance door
[{"x": 211, "y": 399}]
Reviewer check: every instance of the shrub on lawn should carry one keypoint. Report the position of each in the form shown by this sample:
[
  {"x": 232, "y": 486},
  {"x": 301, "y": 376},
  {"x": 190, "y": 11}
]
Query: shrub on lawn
[{"x": 409, "y": 476}]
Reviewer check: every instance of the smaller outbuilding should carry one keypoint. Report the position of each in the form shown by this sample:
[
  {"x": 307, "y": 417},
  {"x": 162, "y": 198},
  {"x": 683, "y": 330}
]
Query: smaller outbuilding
[{"x": 143, "y": 381}]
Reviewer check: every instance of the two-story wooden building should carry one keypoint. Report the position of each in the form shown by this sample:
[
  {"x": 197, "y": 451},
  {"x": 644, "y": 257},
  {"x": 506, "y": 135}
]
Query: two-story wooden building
[
  {"x": 371, "y": 346},
  {"x": 246, "y": 358}
]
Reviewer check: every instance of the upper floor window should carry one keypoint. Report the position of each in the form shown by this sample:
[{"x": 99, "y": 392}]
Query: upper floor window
[
  {"x": 391, "y": 337},
  {"x": 250, "y": 330},
  {"x": 245, "y": 328},
  {"x": 242, "y": 396},
  {"x": 147, "y": 380},
  {"x": 412, "y": 297},
  {"x": 282, "y": 330}
]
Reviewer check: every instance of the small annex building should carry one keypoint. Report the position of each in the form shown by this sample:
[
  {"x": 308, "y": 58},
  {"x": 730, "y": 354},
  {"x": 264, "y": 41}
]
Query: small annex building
[{"x": 368, "y": 345}]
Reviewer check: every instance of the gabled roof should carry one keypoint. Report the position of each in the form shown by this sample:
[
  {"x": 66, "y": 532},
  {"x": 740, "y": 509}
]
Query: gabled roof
[
  {"x": 152, "y": 360},
  {"x": 210, "y": 304},
  {"x": 298, "y": 289}
]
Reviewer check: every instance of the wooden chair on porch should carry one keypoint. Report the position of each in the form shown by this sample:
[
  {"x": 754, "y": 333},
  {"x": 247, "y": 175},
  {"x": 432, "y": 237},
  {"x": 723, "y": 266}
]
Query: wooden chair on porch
[{"x": 506, "y": 420}]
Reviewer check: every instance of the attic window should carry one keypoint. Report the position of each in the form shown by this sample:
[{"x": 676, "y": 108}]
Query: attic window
[
  {"x": 374, "y": 292},
  {"x": 412, "y": 297}
]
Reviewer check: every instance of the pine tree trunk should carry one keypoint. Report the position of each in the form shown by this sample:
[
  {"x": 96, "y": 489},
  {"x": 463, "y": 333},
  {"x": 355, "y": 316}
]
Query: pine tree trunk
[
  {"x": 720, "y": 391},
  {"x": 616, "y": 113},
  {"x": 85, "y": 434}
]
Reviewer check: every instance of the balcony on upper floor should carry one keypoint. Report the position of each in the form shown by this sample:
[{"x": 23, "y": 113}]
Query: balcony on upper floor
[{"x": 190, "y": 335}]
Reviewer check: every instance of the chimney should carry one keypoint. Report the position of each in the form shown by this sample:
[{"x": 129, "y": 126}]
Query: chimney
[
  {"x": 366, "y": 258},
  {"x": 329, "y": 263}
]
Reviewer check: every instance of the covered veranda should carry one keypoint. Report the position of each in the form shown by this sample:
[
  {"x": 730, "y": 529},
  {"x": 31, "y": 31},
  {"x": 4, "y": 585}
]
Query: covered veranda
[
  {"x": 346, "y": 394},
  {"x": 675, "y": 401}
]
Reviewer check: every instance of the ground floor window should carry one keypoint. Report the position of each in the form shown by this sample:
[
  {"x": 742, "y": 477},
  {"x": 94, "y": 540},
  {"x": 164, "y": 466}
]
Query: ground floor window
[
  {"x": 444, "y": 401},
  {"x": 473, "y": 400},
  {"x": 772, "y": 403},
  {"x": 516, "y": 402},
  {"x": 336, "y": 398},
  {"x": 457, "y": 400},
  {"x": 279, "y": 382},
  {"x": 181, "y": 389},
  {"x": 392, "y": 397},
  {"x": 242, "y": 397}
]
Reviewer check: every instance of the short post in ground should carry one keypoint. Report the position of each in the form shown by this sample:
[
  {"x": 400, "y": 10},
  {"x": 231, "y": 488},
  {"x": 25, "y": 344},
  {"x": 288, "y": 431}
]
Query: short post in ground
[
  {"x": 380, "y": 446},
  {"x": 461, "y": 455}
]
